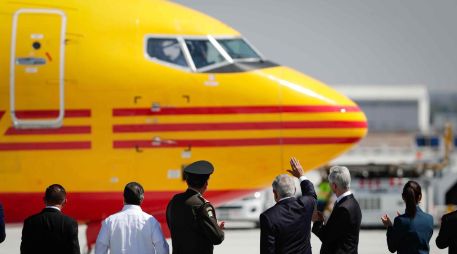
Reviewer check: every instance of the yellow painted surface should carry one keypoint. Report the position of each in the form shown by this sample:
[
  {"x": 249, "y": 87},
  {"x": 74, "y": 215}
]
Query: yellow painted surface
[{"x": 106, "y": 68}]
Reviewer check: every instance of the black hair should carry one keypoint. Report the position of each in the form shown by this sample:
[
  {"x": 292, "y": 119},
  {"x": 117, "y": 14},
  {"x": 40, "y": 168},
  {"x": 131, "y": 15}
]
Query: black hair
[
  {"x": 196, "y": 181},
  {"x": 411, "y": 194},
  {"x": 133, "y": 193},
  {"x": 55, "y": 195}
]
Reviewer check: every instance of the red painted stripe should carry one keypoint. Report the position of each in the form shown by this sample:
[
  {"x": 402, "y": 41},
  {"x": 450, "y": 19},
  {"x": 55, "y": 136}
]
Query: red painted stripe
[
  {"x": 95, "y": 206},
  {"x": 1, "y": 114},
  {"x": 68, "y": 145},
  {"x": 233, "y": 110},
  {"x": 61, "y": 130},
  {"x": 121, "y": 128},
  {"x": 34, "y": 114},
  {"x": 117, "y": 144}
]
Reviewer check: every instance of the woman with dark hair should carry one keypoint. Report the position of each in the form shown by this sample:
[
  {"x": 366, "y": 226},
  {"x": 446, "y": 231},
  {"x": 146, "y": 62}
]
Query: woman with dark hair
[{"x": 411, "y": 231}]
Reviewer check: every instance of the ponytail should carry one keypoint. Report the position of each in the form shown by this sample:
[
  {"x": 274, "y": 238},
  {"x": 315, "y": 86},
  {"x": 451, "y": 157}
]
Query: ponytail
[{"x": 412, "y": 195}]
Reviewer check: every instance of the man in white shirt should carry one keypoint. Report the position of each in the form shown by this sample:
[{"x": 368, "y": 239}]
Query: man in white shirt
[{"x": 131, "y": 230}]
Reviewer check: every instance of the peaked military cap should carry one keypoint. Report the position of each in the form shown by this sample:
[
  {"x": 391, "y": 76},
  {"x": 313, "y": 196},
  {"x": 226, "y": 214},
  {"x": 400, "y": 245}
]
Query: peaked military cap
[{"x": 200, "y": 168}]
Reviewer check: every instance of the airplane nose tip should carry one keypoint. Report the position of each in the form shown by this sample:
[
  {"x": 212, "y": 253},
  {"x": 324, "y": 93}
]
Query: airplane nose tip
[{"x": 319, "y": 122}]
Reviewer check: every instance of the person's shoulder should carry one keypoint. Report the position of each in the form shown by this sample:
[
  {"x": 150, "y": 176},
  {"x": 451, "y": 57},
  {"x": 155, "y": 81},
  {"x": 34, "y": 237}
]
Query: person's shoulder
[
  {"x": 68, "y": 219},
  {"x": 349, "y": 203},
  {"x": 450, "y": 216},
  {"x": 30, "y": 218},
  {"x": 429, "y": 216},
  {"x": 401, "y": 219},
  {"x": 195, "y": 200},
  {"x": 114, "y": 217},
  {"x": 35, "y": 216},
  {"x": 179, "y": 197},
  {"x": 425, "y": 215},
  {"x": 270, "y": 210}
]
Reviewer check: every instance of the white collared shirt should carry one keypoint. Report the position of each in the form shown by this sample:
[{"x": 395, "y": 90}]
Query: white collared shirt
[
  {"x": 131, "y": 231},
  {"x": 347, "y": 193},
  {"x": 53, "y": 207}
]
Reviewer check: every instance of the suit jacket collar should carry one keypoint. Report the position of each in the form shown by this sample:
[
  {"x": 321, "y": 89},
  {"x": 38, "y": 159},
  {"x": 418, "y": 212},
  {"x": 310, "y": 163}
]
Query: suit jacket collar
[
  {"x": 350, "y": 196},
  {"x": 287, "y": 200},
  {"x": 50, "y": 210},
  {"x": 191, "y": 191}
]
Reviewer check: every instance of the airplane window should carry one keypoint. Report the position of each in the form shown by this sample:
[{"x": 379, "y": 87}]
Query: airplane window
[
  {"x": 167, "y": 50},
  {"x": 203, "y": 53},
  {"x": 238, "y": 48}
]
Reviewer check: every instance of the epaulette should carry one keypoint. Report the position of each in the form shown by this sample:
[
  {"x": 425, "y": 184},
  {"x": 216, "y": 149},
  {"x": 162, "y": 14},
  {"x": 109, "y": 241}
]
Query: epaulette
[
  {"x": 196, "y": 200},
  {"x": 202, "y": 199}
]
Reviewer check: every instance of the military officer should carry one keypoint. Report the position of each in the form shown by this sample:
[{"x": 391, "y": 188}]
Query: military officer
[{"x": 191, "y": 218}]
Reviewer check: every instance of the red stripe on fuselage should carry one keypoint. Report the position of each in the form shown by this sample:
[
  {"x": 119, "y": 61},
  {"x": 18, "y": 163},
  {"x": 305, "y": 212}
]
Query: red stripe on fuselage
[
  {"x": 1, "y": 114},
  {"x": 233, "y": 110},
  {"x": 117, "y": 144},
  {"x": 62, "y": 130},
  {"x": 35, "y": 146},
  {"x": 122, "y": 128},
  {"x": 37, "y": 114},
  {"x": 95, "y": 206}
]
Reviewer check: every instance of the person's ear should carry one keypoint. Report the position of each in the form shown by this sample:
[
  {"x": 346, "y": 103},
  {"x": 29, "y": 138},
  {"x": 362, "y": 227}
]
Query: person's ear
[{"x": 275, "y": 195}]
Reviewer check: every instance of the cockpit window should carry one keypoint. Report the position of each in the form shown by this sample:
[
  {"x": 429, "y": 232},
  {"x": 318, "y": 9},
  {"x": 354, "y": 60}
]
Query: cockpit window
[
  {"x": 203, "y": 53},
  {"x": 167, "y": 50},
  {"x": 238, "y": 49}
]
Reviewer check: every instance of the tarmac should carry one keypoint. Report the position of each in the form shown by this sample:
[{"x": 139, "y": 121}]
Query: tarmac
[{"x": 240, "y": 238}]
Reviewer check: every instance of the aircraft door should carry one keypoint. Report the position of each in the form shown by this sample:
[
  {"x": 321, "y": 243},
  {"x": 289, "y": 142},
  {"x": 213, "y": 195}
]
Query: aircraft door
[{"x": 37, "y": 68}]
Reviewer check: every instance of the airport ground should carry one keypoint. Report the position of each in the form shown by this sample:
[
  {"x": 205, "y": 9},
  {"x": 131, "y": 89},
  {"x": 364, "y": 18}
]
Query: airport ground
[{"x": 240, "y": 238}]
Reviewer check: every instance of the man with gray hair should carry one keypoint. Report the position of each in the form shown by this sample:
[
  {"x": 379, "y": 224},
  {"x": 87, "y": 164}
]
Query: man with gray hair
[
  {"x": 286, "y": 227},
  {"x": 341, "y": 232}
]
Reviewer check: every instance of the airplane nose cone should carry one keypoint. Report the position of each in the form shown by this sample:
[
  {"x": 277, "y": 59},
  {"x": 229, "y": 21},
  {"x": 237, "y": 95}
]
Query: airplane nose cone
[{"x": 318, "y": 123}]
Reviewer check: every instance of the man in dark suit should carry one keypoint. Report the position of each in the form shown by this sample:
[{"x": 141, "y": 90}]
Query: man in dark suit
[
  {"x": 341, "y": 232},
  {"x": 447, "y": 237},
  {"x": 191, "y": 218},
  {"x": 286, "y": 227},
  {"x": 50, "y": 231},
  {"x": 2, "y": 225}
]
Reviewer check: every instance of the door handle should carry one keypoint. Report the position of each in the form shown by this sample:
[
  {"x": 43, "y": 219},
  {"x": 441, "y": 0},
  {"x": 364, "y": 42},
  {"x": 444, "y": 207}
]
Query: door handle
[{"x": 30, "y": 61}]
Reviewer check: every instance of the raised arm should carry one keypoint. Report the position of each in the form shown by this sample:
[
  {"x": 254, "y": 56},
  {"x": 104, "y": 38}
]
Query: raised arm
[{"x": 307, "y": 187}]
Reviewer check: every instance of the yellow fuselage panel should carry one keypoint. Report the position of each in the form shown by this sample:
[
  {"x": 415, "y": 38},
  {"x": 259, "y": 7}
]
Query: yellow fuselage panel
[{"x": 107, "y": 72}]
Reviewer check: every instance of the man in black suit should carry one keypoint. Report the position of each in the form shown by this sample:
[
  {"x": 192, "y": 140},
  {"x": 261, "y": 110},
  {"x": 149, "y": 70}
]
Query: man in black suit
[
  {"x": 448, "y": 232},
  {"x": 286, "y": 227},
  {"x": 2, "y": 225},
  {"x": 50, "y": 231},
  {"x": 341, "y": 232}
]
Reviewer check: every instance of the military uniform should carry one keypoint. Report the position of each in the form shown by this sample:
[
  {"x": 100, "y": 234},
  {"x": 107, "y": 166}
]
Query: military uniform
[{"x": 192, "y": 220}]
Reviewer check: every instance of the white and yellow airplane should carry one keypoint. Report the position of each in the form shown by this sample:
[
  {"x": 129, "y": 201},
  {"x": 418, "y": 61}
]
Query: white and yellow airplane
[{"x": 94, "y": 94}]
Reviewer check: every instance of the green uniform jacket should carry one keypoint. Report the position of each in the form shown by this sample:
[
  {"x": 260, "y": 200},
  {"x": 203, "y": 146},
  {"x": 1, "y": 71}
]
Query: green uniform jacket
[{"x": 193, "y": 224}]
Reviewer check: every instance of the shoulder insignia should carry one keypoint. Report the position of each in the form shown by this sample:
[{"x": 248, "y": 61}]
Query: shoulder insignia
[{"x": 210, "y": 212}]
